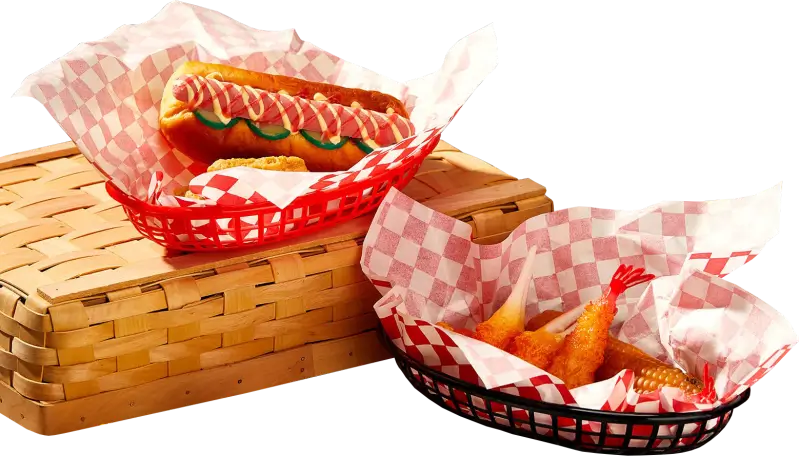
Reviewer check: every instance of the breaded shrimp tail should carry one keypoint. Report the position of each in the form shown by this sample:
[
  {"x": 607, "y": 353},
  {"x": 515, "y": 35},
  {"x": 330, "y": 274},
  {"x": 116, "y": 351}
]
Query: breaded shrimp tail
[
  {"x": 540, "y": 347},
  {"x": 509, "y": 320},
  {"x": 463, "y": 331}
]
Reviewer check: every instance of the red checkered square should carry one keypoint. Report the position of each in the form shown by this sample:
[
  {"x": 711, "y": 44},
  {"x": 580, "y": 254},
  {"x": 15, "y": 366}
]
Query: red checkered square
[
  {"x": 580, "y": 229},
  {"x": 457, "y": 249},
  {"x": 605, "y": 248},
  {"x": 387, "y": 241},
  {"x": 673, "y": 225},
  {"x": 468, "y": 280},
  {"x": 562, "y": 258},
  {"x": 414, "y": 230},
  {"x": 428, "y": 262},
  {"x": 539, "y": 238},
  {"x": 586, "y": 275},
  {"x": 547, "y": 287},
  {"x": 718, "y": 296}
]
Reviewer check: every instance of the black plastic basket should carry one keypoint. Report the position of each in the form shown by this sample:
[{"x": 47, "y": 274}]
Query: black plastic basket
[{"x": 617, "y": 432}]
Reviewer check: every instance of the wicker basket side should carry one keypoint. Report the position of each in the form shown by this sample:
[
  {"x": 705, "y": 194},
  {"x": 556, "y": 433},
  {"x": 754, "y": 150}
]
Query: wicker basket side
[
  {"x": 219, "y": 317},
  {"x": 9, "y": 330}
]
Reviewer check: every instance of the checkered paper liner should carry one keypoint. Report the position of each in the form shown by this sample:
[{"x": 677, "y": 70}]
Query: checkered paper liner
[
  {"x": 249, "y": 225},
  {"x": 106, "y": 96},
  {"x": 428, "y": 270}
]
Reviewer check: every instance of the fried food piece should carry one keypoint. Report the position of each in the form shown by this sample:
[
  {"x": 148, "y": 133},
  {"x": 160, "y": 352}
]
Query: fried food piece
[
  {"x": 584, "y": 348},
  {"x": 509, "y": 320},
  {"x": 539, "y": 347},
  {"x": 446, "y": 326},
  {"x": 463, "y": 331},
  {"x": 290, "y": 164}
]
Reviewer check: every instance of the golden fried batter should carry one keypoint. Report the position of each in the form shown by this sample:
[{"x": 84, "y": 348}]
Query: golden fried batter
[
  {"x": 449, "y": 327},
  {"x": 288, "y": 164},
  {"x": 537, "y": 347},
  {"x": 508, "y": 321},
  {"x": 583, "y": 349}
]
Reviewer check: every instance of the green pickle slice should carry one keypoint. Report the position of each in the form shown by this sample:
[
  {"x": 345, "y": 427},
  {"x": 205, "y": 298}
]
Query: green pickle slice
[
  {"x": 271, "y": 132},
  {"x": 211, "y": 120},
  {"x": 361, "y": 145},
  {"x": 277, "y": 132},
  {"x": 315, "y": 138}
]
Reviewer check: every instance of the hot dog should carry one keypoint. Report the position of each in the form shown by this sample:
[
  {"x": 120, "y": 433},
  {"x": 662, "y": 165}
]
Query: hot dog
[{"x": 211, "y": 112}]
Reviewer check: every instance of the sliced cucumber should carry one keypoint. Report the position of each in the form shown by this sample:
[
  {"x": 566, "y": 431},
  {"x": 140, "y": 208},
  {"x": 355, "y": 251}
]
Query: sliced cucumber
[
  {"x": 271, "y": 132},
  {"x": 361, "y": 145},
  {"x": 211, "y": 120},
  {"x": 316, "y": 139}
]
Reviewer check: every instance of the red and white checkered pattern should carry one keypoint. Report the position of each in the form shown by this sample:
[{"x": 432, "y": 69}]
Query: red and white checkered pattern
[
  {"x": 429, "y": 270},
  {"x": 720, "y": 265},
  {"x": 106, "y": 94}
]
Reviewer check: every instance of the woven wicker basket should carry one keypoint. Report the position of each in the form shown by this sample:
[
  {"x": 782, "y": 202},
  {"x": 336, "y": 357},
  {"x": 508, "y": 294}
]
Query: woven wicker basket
[{"x": 98, "y": 324}]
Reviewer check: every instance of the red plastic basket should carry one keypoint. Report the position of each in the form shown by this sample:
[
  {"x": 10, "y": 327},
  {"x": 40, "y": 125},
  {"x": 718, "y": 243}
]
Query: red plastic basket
[{"x": 228, "y": 227}]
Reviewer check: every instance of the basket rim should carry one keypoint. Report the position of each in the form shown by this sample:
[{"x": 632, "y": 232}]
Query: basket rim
[
  {"x": 138, "y": 205},
  {"x": 582, "y": 413}
]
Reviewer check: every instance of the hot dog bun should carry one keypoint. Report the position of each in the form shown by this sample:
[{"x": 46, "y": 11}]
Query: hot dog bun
[{"x": 190, "y": 135}]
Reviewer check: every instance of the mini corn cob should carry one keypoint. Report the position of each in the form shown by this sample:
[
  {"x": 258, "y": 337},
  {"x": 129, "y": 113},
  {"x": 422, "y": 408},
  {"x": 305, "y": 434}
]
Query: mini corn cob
[
  {"x": 650, "y": 373},
  {"x": 620, "y": 355},
  {"x": 652, "y": 378}
]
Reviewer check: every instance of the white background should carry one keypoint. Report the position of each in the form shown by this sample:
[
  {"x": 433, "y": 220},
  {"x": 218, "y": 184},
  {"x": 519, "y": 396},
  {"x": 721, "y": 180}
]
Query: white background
[{"x": 607, "y": 104}]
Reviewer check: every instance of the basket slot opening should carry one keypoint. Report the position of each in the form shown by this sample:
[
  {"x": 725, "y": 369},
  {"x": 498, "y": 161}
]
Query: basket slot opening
[
  {"x": 510, "y": 416},
  {"x": 578, "y": 429},
  {"x": 603, "y": 434},
  {"x": 653, "y": 436},
  {"x": 554, "y": 423},
  {"x": 628, "y": 433},
  {"x": 678, "y": 436}
]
